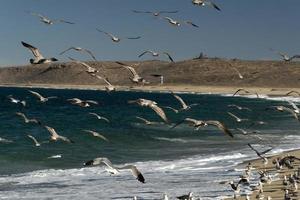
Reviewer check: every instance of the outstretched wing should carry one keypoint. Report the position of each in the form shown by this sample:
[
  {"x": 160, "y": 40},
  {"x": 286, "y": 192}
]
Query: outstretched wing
[
  {"x": 160, "y": 112},
  {"x": 34, "y": 50},
  {"x": 144, "y": 53},
  {"x": 169, "y": 56},
  {"x": 221, "y": 126},
  {"x": 36, "y": 94},
  {"x": 184, "y": 106}
]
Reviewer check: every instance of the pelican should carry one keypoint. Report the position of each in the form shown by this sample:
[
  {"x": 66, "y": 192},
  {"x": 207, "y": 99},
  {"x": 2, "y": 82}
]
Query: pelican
[
  {"x": 154, "y": 13},
  {"x": 147, "y": 122},
  {"x": 114, "y": 38},
  {"x": 40, "y": 97},
  {"x": 183, "y": 104},
  {"x": 205, "y": 3},
  {"x": 169, "y": 56},
  {"x": 172, "y": 21},
  {"x": 109, "y": 87},
  {"x": 188, "y": 196},
  {"x": 285, "y": 57},
  {"x": 82, "y": 103},
  {"x": 26, "y": 120},
  {"x": 48, "y": 21},
  {"x": 38, "y": 57},
  {"x": 80, "y": 49},
  {"x": 89, "y": 69},
  {"x": 99, "y": 117},
  {"x": 153, "y": 105},
  {"x": 95, "y": 134},
  {"x": 37, "y": 144},
  {"x": 191, "y": 23},
  {"x": 236, "y": 117},
  {"x": 238, "y": 107},
  {"x": 16, "y": 101},
  {"x": 136, "y": 77},
  {"x": 135, "y": 172},
  {"x": 153, "y": 53},
  {"x": 55, "y": 137},
  {"x": 260, "y": 154},
  {"x": 285, "y": 109}
]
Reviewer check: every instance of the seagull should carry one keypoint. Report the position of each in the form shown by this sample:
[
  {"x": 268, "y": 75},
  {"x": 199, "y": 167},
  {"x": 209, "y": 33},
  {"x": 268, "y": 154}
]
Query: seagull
[
  {"x": 191, "y": 23},
  {"x": 48, "y": 21},
  {"x": 153, "y": 105},
  {"x": 116, "y": 39},
  {"x": 26, "y": 120},
  {"x": 245, "y": 132},
  {"x": 16, "y": 101},
  {"x": 236, "y": 70},
  {"x": 99, "y": 117},
  {"x": 183, "y": 104},
  {"x": 154, "y": 54},
  {"x": 3, "y": 140},
  {"x": 135, "y": 172},
  {"x": 147, "y": 122},
  {"x": 37, "y": 144},
  {"x": 82, "y": 103},
  {"x": 169, "y": 56},
  {"x": 188, "y": 196},
  {"x": 40, "y": 97},
  {"x": 55, "y": 137},
  {"x": 283, "y": 108},
  {"x": 296, "y": 109},
  {"x": 136, "y": 77},
  {"x": 80, "y": 49},
  {"x": 109, "y": 87},
  {"x": 95, "y": 134},
  {"x": 286, "y": 57},
  {"x": 154, "y": 13},
  {"x": 38, "y": 57},
  {"x": 55, "y": 156},
  {"x": 192, "y": 122},
  {"x": 89, "y": 69},
  {"x": 236, "y": 117},
  {"x": 238, "y": 107},
  {"x": 246, "y": 91},
  {"x": 205, "y": 3},
  {"x": 171, "y": 108},
  {"x": 260, "y": 154},
  {"x": 172, "y": 21}
]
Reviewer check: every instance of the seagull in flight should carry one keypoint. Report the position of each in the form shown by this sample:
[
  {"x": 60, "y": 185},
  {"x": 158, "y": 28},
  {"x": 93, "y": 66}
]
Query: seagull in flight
[
  {"x": 147, "y": 122},
  {"x": 172, "y": 21},
  {"x": 169, "y": 56},
  {"x": 95, "y": 134},
  {"x": 236, "y": 117},
  {"x": 296, "y": 108},
  {"x": 26, "y": 120},
  {"x": 37, "y": 144},
  {"x": 55, "y": 137},
  {"x": 153, "y": 105},
  {"x": 292, "y": 92},
  {"x": 191, "y": 23},
  {"x": 245, "y": 91},
  {"x": 80, "y": 49},
  {"x": 101, "y": 160},
  {"x": 155, "y": 13},
  {"x": 136, "y": 77},
  {"x": 3, "y": 140},
  {"x": 183, "y": 104},
  {"x": 286, "y": 57},
  {"x": 285, "y": 109},
  {"x": 99, "y": 117},
  {"x": 48, "y": 21},
  {"x": 89, "y": 69},
  {"x": 260, "y": 154},
  {"x": 16, "y": 101},
  {"x": 171, "y": 108},
  {"x": 115, "y": 38},
  {"x": 38, "y": 57},
  {"x": 82, "y": 103},
  {"x": 109, "y": 87},
  {"x": 153, "y": 53},
  {"x": 238, "y": 107},
  {"x": 40, "y": 97},
  {"x": 206, "y": 3}
]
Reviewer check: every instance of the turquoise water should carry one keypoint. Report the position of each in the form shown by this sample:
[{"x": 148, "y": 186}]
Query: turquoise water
[{"x": 185, "y": 158}]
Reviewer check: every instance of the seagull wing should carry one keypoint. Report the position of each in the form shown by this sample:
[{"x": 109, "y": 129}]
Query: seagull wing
[
  {"x": 232, "y": 115},
  {"x": 192, "y": 24},
  {"x": 290, "y": 92},
  {"x": 183, "y": 104},
  {"x": 239, "y": 90},
  {"x": 90, "y": 53},
  {"x": 34, "y": 50},
  {"x": 169, "y": 19},
  {"x": 221, "y": 126},
  {"x": 294, "y": 105},
  {"x": 144, "y": 53},
  {"x": 171, "y": 108},
  {"x": 134, "y": 38},
  {"x": 169, "y": 56},
  {"x": 64, "y": 21},
  {"x": 212, "y": 5},
  {"x": 143, "y": 119},
  {"x": 160, "y": 112},
  {"x": 94, "y": 133},
  {"x": 34, "y": 140},
  {"x": 52, "y": 131},
  {"x": 92, "y": 102},
  {"x": 295, "y": 56},
  {"x": 251, "y": 147},
  {"x": 66, "y": 50},
  {"x": 135, "y": 172},
  {"x": 36, "y": 94},
  {"x": 290, "y": 111},
  {"x": 138, "y": 11},
  {"x": 22, "y": 115},
  {"x": 98, "y": 161},
  {"x": 106, "y": 33},
  {"x": 266, "y": 151}
]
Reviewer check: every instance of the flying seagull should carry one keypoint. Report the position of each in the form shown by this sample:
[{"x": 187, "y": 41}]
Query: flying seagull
[
  {"x": 285, "y": 109},
  {"x": 236, "y": 70},
  {"x": 99, "y": 117},
  {"x": 115, "y": 38},
  {"x": 154, "y": 13},
  {"x": 171, "y": 108},
  {"x": 169, "y": 56},
  {"x": 286, "y": 57},
  {"x": 109, "y": 87},
  {"x": 37, "y": 144},
  {"x": 135, "y": 172},
  {"x": 136, "y": 77},
  {"x": 147, "y": 122},
  {"x": 153, "y": 105},
  {"x": 236, "y": 117},
  {"x": 197, "y": 124},
  {"x": 80, "y": 49},
  {"x": 3, "y": 140},
  {"x": 89, "y": 69},
  {"x": 153, "y": 53},
  {"x": 260, "y": 154},
  {"x": 191, "y": 23},
  {"x": 292, "y": 92},
  {"x": 296, "y": 108},
  {"x": 238, "y": 107},
  {"x": 82, "y": 103},
  {"x": 95, "y": 134},
  {"x": 183, "y": 104},
  {"x": 205, "y": 3},
  {"x": 38, "y": 57},
  {"x": 16, "y": 101},
  {"x": 48, "y": 21},
  {"x": 55, "y": 137},
  {"x": 40, "y": 97},
  {"x": 172, "y": 21},
  {"x": 26, "y": 120},
  {"x": 245, "y": 91}
]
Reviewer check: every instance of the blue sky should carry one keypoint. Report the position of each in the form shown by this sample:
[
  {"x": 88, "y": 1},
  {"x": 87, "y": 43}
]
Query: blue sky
[{"x": 244, "y": 29}]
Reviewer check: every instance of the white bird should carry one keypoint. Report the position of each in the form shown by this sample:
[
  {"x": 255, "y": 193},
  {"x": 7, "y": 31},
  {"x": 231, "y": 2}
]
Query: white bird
[
  {"x": 80, "y": 49},
  {"x": 205, "y": 3},
  {"x": 109, "y": 87},
  {"x": 89, "y": 69},
  {"x": 55, "y": 137},
  {"x": 236, "y": 70},
  {"x": 153, "y": 105},
  {"x": 48, "y": 21},
  {"x": 3, "y": 140},
  {"x": 135, "y": 172},
  {"x": 95, "y": 134},
  {"x": 26, "y": 120},
  {"x": 82, "y": 103},
  {"x": 40, "y": 97},
  {"x": 183, "y": 104},
  {"x": 37, "y": 144},
  {"x": 16, "y": 101},
  {"x": 238, "y": 107},
  {"x": 136, "y": 77},
  {"x": 172, "y": 21},
  {"x": 285, "y": 109},
  {"x": 296, "y": 109},
  {"x": 153, "y": 53},
  {"x": 154, "y": 13},
  {"x": 115, "y": 38},
  {"x": 99, "y": 117},
  {"x": 55, "y": 156},
  {"x": 147, "y": 122},
  {"x": 236, "y": 117},
  {"x": 38, "y": 57}
]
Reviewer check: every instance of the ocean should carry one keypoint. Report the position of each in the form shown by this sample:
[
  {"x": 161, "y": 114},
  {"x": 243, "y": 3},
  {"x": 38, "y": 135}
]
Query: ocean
[{"x": 173, "y": 161}]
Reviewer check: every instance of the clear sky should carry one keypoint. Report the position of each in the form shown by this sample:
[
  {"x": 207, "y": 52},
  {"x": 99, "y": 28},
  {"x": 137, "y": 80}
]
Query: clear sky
[{"x": 244, "y": 29}]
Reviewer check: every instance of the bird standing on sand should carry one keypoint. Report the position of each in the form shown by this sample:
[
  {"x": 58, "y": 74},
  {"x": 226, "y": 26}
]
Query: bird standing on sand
[
  {"x": 153, "y": 105},
  {"x": 26, "y": 120},
  {"x": 114, "y": 38},
  {"x": 48, "y": 21},
  {"x": 80, "y": 49},
  {"x": 111, "y": 168},
  {"x": 95, "y": 134},
  {"x": 155, "y": 13},
  {"x": 55, "y": 137},
  {"x": 37, "y": 144},
  {"x": 206, "y": 3},
  {"x": 99, "y": 117},
  {"x": 136, "y": 77},
  {"x": 40, "y": 97},
  {"x": 38, "y": 57}
]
